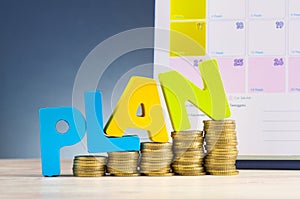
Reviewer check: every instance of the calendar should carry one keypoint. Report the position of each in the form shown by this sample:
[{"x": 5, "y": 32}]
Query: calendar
[{"x": 257, "y": 46}]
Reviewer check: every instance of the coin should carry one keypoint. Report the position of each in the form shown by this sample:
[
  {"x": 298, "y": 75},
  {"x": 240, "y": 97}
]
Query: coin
[
  {"x": 220, "y": 144},
  {"x": 156, "y": 158},
  {"x": 123, "y": 163},
  {"x": 232, "y": 173},
  {"x": 155, "y": 145},
  {"x": 89, "y": 166},
  {"x": 159, "y": 174},
  {"x": 126, "y": 174}
]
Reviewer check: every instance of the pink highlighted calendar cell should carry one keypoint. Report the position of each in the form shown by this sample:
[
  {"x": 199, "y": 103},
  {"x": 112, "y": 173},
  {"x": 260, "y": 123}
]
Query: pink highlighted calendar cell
[
  {"x": 294, "y": 72},
  {"x": 267, "y": 37},
  {"x": 294, "y": 38},
  {"x": 225, "y": 10},
  {"x": 227, "y": 38},
  {"x": 266, "y": 74},
  {"x": 233, "y": 74},
  {"x": 267, "y": 9}
]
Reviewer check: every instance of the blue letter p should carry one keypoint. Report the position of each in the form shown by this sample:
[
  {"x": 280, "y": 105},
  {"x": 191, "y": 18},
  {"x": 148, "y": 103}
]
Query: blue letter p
[{"x": 52, "y": 141}]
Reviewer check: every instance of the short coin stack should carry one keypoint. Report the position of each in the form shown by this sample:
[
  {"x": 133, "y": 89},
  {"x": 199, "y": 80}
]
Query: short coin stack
[
  {"x": 221, "y": 142},
  {"x": 89, "y": 166},
  {"x": 188, "y": 153},
  {"x": 156, "y": 159},
  {"x": 123, "y": 163}
]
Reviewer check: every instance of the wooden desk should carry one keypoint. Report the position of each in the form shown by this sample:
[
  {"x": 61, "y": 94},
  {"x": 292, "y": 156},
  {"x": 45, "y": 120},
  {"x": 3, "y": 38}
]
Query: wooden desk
[{"x": 22, "y": 179}]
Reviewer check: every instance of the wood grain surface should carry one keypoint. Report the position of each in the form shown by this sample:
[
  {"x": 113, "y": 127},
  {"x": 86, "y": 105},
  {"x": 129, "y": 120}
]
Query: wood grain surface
[{"x": 22, "y": 179}]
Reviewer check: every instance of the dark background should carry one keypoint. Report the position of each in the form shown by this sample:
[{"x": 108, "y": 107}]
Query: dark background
[{"x": 42, "y": 45}]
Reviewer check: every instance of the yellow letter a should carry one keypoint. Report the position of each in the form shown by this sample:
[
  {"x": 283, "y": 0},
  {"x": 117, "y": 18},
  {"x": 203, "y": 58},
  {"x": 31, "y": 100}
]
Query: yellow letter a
[{"x": 140, "y": 92}]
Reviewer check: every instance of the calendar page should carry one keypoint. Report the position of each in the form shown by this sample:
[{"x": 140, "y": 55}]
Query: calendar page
[{"x": 257, "y": 46}]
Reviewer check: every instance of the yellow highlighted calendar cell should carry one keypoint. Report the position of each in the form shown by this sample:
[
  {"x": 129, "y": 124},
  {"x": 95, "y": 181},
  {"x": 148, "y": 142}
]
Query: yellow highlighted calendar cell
[
  {"x": 188, "y": 38},
  {"x": 188, "y": 9}
]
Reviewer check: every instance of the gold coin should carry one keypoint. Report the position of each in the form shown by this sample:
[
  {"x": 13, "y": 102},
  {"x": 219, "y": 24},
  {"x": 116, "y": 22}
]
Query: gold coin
[
  {"x": 156, "y": 145},
  {"x": 189, "y": 155},
  {"x": 221, "y": 149},
  {"x": 187, "y": 168},
  {"x": 126, "y": 174},
  {"x": 221, "y": 157},
  {"x": 90, "y": 160},
  {"x": 226, "y": 173},
  {"x": 89, "y": 171},
  {"x": 84, "y": 171},
  {"x": 159, "y": 174},
  {"x": 156, "y": 156},
  {"x": 188, "y": 146},
  {"x": 188, "y": 162},
  {"x": 155, "y": 159},
  {"x": 225, "y": 127},
  {"x": 183, "y": 152},
  {"x": 220, "y": 161},
  {"x": 121, "y": 160},
  {"x": 123, "y": 153},
  {"x": 89, "y": 165},
  {"x": 220, "y": 167},
  {"x": 188, "y": 158},
  {"x": 192, "y": 165},
  {"x": 219, "y": 127},
  {"x": 220, "y": 170},
  {"x": 221, "y": 138},
  {"x": 224, "y": 134},
  {"x": 88, "y": 175},
  {"x": 229, "y": 149},
  {"x": 220, "y": 145},
  {"x": 89, "y": 168},
  {"x": 219, "y": 121},
  {"x": 224, "y": 151},
  {"x": 187, "y": 140},
  {"x": 89, "y": 157},
  {"x": 155, "y": 170},
  {"x": 220, "y": 133},
  {"x": 113, "y": 171},
  {"x": 122, "y": 167},
  {"x": 186, "y": 143},
  {"x": 221, "y": 141},
  {"x": 185, "y": 133},
  {"x": 191, "y": 173},
  {"x": 189, "y": 152},
  {"x": 151, "y": 162},
  {"x": 229, "y": 145},
  {"x": 148, "y": 150}
]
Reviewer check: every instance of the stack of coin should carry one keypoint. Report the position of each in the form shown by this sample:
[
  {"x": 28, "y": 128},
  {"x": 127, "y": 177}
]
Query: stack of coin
[
  {"x": 188, "y": 153},
  {"x": 156, "y": 159},
  {"x": 221, "y": 147},
  {"x": 123, "y": 163},
  {"x": 89, "y": 166}
]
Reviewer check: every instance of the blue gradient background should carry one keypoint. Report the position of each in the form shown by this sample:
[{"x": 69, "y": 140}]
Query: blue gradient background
[{"x": 42, "y": 45}]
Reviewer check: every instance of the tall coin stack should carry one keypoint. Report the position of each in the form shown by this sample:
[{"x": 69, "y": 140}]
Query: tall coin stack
[
  {"x": 123, "y": 163},
  {"x": 156, "y": 159},
  {"x": 188, "y": 153},
  {"x": 89, "y": 166},
  {"x": 221, "y": 147}
]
